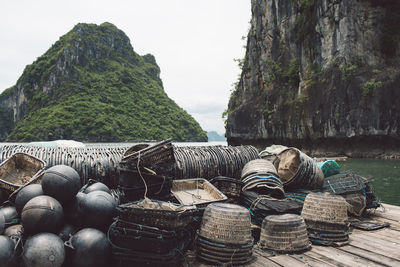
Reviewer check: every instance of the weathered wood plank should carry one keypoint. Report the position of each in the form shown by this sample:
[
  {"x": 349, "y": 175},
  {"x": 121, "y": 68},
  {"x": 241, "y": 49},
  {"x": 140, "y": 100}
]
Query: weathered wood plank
[
  {"x": 261, "y": 260},
  {"x": 324, "y": 259},
  {"x": 391, "y": 208},
  {"x": 388, "y": 232},
  {"x": 372, "y": 256},
  {"x": 387, "y": 215},
  {"x": 310, "y": 261},
  {"x": 345, "y": 258},
  {"x": 384, "y": 234},
  {"x": 389, "y": 247},
  {"x": 286, "y": 260},
  {"x": 373, "y": 247}
]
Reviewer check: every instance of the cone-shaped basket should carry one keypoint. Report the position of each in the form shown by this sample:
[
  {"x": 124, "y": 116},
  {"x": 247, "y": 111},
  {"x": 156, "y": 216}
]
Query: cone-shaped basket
[{"x": 284, "y": 233}]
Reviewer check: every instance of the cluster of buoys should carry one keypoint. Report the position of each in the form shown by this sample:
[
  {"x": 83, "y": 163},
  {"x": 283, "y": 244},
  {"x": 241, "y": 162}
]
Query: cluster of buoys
[{"x": 57, "y": 222}]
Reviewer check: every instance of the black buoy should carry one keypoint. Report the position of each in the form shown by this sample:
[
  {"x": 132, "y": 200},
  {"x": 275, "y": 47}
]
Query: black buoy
[
  {"x": 43, "y": 250},
  {"x": 10, "y": 215},
  {"x": 61, "y": 182},
  {"x": 98, "y": 209},
  {"x": 42, "y": 214},
  {"x": 97, "y": 187},
  {"x": 90, "y": 247},
  {"x": 26, "y": 194},
  {"x": 7, "y": 252},
  {"x": 2, "y": 223},
  {"x": 72, "y": 210}
]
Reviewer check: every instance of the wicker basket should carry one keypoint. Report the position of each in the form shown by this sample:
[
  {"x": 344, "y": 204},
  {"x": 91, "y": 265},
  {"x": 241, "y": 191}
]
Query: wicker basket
[
  {"x": 158, "y": 157},
  {"x": 220, "y": 253},
  {"x": 226, "y": 223},
  {"x": 19, "y": 170},
  {"x": 259, "y": 166},
  {"x": 284, "y": 233},
  {"x": 297, "y": 170},
  {"x": 228, "y": 186},
  {"x": 326, "y": 208},
  {"x": 144, "y": 238},
  {"x": 197, "y": 191},
  {"x": 160, "y": 214}
]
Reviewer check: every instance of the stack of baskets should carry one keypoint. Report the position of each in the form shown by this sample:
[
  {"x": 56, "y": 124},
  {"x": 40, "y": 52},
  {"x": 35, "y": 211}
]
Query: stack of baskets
[
  {"x": 351, "y": 187},
  {"x": 150, "y": 232},
  {"x": 286, "y": 233},
  {"x": 225, "y": 235},
  {"x": 297, "y": 170},
  {"x": 260, "y": 176},
  {"x": 326, "y": 218},
  {"x": 147, "y": 170}
]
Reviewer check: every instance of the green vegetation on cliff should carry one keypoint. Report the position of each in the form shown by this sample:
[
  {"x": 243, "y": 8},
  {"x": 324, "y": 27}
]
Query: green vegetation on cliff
[{"x": 91, "y": 85}]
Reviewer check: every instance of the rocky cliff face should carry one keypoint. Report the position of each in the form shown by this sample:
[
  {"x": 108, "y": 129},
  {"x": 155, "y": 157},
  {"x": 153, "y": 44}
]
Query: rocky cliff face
[
  {"x": 320, "y": 75},
  {"x": 92, "y": 86}
]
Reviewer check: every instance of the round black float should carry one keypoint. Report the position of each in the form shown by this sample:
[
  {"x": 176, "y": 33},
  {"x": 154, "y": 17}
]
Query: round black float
[
  {"x": 10, "y": 215},
  {"x": 72, "y": 209},
  {"x": 7, "y": 251},
  {"x": 90, "y": 247},
  {"x": 43, "y": 250},
  {"x": 97, "y": 187},
  {"x": 61, "y": 182},
  {"x": 26, "y": 194},
  {"x": 2, "y": 223},
  {"x": 98, "y": 208},
  {"x": 42, "y": 214}
]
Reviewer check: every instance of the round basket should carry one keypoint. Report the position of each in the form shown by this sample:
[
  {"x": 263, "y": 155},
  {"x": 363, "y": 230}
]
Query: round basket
[
  {"x": 326, "y": 208},
  {"x": 284, "y": 233},
  {"x": 223, "y": 248},
  {"x": 297, "y": 170},
  {"x": 316, "y": 236},
  {"x": 226, "y": 223},
  {"x": 259, "y": 166}
]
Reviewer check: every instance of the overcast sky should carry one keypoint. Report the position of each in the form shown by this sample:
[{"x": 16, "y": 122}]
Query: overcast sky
[{"x": 194, "y": 42}]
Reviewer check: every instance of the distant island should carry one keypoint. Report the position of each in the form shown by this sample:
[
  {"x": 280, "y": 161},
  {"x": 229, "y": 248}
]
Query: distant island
[
  {"x": 213, "y": 136},
  {"x": 92, "y": 86}
]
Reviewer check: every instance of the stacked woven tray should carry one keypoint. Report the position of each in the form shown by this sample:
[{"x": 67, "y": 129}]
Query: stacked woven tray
[
  {"x": 151, "y": 233},
  {"x": 230, "y": 187},
  {"x": 260, "y": 176},
  {"x": 284, "y": 233},
  {"x": 326, "y": 218},
  {"x": 225, "y": 235},
  {"x": 140, "y": 244},
  {"x": 146, "y": 170}
]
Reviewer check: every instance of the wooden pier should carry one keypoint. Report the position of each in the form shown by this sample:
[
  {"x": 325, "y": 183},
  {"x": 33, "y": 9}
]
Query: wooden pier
[{"x": 366, "y": 248}]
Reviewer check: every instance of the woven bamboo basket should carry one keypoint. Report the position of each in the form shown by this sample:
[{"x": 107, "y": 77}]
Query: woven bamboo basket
[
  {"x": 259, "y": 166},
  {"x": 297, "y": 170},
  {"x": 224, "y": 248},
  {"x": 284, "y": 233},
  {"x": 226, "y": 223},
  {"x": 325, "y": 208}
]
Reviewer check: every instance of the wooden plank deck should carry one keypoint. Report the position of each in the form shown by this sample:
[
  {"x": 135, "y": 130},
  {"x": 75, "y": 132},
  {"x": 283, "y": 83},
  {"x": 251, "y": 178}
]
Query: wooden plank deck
[{"x": 366, "y": 248}]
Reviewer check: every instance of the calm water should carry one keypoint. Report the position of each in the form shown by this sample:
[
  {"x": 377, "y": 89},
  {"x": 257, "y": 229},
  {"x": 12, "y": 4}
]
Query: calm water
[{"x": 384, "y": 175}]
